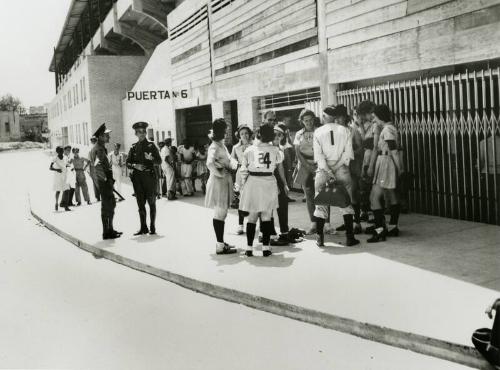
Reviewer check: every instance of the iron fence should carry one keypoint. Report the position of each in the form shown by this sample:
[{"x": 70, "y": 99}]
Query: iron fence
[{"x": 449, "y": 130}]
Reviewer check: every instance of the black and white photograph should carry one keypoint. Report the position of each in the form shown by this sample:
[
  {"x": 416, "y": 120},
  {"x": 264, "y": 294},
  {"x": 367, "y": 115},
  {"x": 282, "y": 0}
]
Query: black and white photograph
[{"x": 250, "y": 184}]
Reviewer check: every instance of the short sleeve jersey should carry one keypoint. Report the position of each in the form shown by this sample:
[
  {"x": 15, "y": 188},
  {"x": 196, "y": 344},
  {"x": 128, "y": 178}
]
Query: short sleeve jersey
[
  {"x": 389, "y": 132},
  {"x": 262, "y": 157},
  {"x": 304, "y": 140}
]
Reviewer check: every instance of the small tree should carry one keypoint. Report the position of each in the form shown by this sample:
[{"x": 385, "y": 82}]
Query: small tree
[{"x": 10, "y": 103}]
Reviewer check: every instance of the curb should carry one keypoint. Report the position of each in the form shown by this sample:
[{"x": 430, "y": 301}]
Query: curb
[{"x": 444, "y": 350}]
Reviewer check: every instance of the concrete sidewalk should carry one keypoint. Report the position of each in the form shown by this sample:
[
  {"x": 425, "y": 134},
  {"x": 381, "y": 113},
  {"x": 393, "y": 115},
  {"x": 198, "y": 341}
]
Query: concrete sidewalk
[{"x": 425, "y": 290}]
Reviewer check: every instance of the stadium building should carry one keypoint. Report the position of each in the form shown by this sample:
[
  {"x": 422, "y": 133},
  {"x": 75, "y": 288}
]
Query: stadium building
[{"x": 434, "y": 62}]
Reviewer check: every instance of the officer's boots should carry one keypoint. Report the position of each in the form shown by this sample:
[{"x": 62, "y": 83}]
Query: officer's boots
[
  {"x": 118, "y": 233},
  {"x": 349, "y": 231},
  {"x": 107, "y": 229},
  {"x": 144, "y": 227},
  {"x": 152, "y": 216}
]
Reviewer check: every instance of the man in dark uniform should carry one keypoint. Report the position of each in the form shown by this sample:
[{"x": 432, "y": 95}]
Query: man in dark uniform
[
  {"x": 141, "y": 160},
  {"x": 103, "y": 178},
  {"x": 93, "y": 141}
]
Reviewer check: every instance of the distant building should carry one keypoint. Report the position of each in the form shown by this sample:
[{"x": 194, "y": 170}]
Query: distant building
[
  {"x": 38, "y": 110},
  {"x": 9, "y": 126},
  {"x": 33, "y": 125}
]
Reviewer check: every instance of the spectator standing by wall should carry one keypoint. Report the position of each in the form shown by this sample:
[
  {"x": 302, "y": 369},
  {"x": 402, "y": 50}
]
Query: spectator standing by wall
[
  {"x": 80, "y": 165},
  {"x": 117, "y": 162}
]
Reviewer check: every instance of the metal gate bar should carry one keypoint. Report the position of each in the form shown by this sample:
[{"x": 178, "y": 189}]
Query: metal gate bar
[{"x": 449, "y": 129}]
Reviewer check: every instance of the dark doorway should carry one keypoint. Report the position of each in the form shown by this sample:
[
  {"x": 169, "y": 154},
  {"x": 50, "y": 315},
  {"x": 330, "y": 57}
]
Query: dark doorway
[{"x": 198, "y": 124}]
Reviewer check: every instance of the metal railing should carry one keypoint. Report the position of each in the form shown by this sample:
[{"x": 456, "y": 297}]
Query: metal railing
[{"x": 449, "y": 130}]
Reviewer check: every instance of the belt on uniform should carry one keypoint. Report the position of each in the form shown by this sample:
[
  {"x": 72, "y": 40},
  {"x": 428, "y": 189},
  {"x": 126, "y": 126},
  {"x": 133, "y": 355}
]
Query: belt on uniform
[
  {"x": 310, "y": 157},
  {"x": 261, "y": 173},
  {"x": 380, "y": 152}
]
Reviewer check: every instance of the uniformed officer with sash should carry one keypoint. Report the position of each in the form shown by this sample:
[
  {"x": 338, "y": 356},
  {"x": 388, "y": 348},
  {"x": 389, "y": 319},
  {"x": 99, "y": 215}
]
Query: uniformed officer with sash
[
  {"x": 103, "y": 179},
  {"x": 141, "y": 160}
]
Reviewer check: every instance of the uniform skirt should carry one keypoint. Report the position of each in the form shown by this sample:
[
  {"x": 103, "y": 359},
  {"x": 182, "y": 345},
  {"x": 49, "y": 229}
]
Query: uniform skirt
[
  {"x": 259, "y": 194},
  {"x": 385, "y": 174},
  {"x": 219, "y": 191}
]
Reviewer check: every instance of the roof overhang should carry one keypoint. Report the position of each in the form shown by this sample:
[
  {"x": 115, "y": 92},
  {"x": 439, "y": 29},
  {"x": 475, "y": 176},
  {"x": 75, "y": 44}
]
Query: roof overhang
[{"x": 76, "y": 9}]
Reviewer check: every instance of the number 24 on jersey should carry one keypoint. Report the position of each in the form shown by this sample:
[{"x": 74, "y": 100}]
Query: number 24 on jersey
[{"x": 263, "y": 160}]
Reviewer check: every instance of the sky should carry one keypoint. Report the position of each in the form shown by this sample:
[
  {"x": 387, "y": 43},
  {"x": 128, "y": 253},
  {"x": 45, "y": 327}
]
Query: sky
[{"x": 29, "y": 31}]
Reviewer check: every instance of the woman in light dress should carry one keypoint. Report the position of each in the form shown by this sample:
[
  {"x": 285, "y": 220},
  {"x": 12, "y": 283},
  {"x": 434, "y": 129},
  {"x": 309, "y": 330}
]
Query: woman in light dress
[
  {"x": 60, "y": 183},
  {"x": 220, "y": 183}
]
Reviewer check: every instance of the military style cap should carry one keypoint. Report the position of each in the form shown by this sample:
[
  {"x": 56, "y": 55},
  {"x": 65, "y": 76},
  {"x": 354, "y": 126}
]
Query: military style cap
[
  {"x": 139, "y": 125},
  {"x": 330, "y": 110},
  {"x": 101, "y": 130}
]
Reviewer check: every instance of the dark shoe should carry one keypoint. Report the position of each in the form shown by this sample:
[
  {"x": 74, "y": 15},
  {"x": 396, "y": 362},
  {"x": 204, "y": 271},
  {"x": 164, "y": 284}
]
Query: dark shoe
[
  {"x": 117, "y": 232},
  {"x": 67, "y": 209},
  {"x": 142, "y": 231},
  {"x": 57, "y": 207},
  {"x": 249, "y": 253},
  {"x": 279, "y": 242},
  {"x": 358, "y": 229},
  {"x": 370, "y": 230},
  {"x": 341, "y": 228},
  {"x": 227, "y": 250},
  {"x": 267, "y": 253},
  {"x": 351, "y": 241},
  {"x": 110, "y": 235},
  {"x": 290, "y": 200},
  {"x": 393, "y": 232},
  {"x": 89, "y": 203},
  {"x": 152, "y": 230},
  {"x": 377, "y": 237},
  {"x": 320, "y": 240},
  {"x": 78, "y": 204}
]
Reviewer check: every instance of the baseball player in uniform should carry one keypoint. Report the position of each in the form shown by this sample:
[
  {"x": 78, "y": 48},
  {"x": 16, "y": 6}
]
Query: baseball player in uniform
[
  {"x": 220, "y": 183},
  {"x": 103, "y": 177},
  {"x": 259, "y": 194},
  {"x": 387, "y": 168},
  {"x": 244, "y": 133},
  {"x": 332, "y": 152},
  {"x": 142, "y": 158}
]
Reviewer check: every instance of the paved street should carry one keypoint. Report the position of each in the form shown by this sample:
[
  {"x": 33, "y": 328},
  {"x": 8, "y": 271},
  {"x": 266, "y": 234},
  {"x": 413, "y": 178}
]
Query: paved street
[{"x": 61, "y": 308}]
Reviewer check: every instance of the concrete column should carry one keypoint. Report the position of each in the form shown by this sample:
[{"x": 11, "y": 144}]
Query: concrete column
[
  {"x": 327, "y": 94},
  {"x": 217, "y": 109},
  {"x": 248, "y": 113}
]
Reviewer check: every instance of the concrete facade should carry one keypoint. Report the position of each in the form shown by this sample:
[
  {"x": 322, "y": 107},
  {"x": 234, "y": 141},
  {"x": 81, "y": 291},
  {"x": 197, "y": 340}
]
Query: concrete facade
[
  {"x": 158, "y": 112},
  {"x": 91, "y": 95},
  {"x": 9, "y": 126}
]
